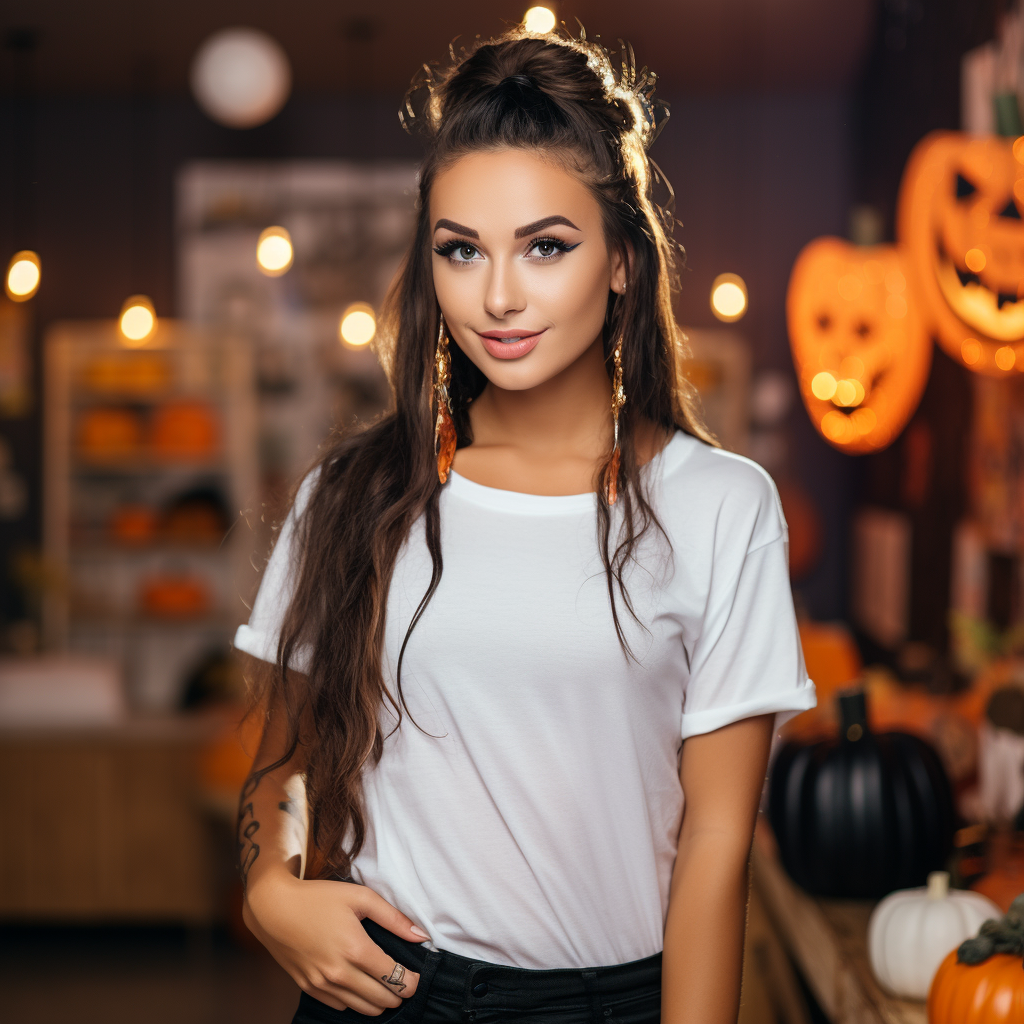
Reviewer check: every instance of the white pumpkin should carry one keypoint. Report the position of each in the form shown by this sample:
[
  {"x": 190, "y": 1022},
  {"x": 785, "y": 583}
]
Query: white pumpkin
[{"x": 912, "y": 930}]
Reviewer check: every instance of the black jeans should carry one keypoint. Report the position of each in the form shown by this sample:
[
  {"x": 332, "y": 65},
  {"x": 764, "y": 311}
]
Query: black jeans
[{"x": 456, "y": 990}]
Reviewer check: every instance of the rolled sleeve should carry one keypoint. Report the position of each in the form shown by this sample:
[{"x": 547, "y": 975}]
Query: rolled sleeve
[{"x": 748, "y": 660}]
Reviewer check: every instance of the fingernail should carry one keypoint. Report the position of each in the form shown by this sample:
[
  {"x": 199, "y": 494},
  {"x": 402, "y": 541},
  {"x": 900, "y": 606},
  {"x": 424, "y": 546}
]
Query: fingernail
[{"x": 419, "y": 931}]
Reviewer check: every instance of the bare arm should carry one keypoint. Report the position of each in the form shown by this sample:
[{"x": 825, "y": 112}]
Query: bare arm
[
  {"x": 722, "y": 774},
  {"x": 312, "y": 927}
]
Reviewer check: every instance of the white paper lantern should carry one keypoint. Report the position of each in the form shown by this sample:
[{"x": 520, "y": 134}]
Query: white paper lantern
[
  {"x": 913, "y": 930},
  {"x": 241, "y": 77}
]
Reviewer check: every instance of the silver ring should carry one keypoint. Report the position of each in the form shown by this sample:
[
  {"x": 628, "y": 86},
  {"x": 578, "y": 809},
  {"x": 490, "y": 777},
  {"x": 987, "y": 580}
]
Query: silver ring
[{"x": 397, "y": 975}]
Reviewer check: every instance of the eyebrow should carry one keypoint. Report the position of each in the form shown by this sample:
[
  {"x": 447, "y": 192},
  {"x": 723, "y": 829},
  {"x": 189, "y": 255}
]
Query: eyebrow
[
  {"x": 544, "y": 222},
  {"x": 528, "y": 229}
]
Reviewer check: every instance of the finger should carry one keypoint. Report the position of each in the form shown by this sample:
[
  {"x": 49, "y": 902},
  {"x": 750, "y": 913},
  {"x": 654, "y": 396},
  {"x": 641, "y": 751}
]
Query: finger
[
  {"x": 378, "y": 967},
  {"x": 345, "y": 999},
  {"x": 372, "y": 905}
]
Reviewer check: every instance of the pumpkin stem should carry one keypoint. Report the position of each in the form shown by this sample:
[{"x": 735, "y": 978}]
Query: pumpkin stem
[
  {"x": 853, "y": 713},
  {"x": 1003, "y": 936},
  {"x": 938, "y": 885}
]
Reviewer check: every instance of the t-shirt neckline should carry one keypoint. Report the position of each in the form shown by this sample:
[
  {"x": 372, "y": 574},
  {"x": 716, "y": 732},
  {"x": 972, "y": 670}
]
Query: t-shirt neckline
[{"x": 547, "y": 504}]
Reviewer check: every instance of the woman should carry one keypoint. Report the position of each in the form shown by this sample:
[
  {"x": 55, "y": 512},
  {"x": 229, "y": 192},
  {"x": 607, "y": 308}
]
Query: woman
[{"x": 516, "y": 619}]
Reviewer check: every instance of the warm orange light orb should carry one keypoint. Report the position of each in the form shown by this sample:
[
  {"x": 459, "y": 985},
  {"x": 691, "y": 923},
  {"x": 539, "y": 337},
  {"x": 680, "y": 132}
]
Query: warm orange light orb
[
  {"x": 539, "y": 19},
  {"x": 23, "y": 276},
  {"x": 274, "y": 252},
  {"x": 862, "y": 359},
  {"x": 728, "y": 297},
  {"x": 137, "y": 321},
  {"x": 358, "y": 325}
]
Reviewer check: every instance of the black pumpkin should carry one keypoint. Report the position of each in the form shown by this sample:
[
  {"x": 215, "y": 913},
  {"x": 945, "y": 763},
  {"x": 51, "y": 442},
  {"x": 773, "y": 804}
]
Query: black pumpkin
[{"x": 861, "y": 815}]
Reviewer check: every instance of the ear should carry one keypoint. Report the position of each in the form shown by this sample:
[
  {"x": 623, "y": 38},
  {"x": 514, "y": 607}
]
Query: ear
[{"x": 621, "y": 262}]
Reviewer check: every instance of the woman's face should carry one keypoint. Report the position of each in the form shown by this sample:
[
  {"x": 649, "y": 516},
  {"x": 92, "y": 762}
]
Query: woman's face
[{"x": 521, "y": 267}]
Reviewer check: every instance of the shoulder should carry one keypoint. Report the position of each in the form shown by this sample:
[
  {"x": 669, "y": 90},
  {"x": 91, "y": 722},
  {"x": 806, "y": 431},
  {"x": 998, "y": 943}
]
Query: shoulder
[{"x": 710, "y": 491}]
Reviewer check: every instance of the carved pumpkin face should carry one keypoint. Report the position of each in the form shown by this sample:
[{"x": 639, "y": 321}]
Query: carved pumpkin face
[
  {"x": 960, "y": 224},
  {"x": 861, "y": 354}
]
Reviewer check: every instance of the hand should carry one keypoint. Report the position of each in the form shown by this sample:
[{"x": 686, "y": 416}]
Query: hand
[{"x": 312, "y": 929}]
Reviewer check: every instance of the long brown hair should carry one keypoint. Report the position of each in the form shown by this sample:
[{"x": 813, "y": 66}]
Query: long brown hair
[{"x": 550, "y": 93}]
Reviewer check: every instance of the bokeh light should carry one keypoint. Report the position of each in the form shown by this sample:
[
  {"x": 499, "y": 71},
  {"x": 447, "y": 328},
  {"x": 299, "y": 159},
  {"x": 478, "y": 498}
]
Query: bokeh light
[
  {"x": 241, "y": 77},
  {"x": 358, "y": 325},
  {"x": 823, "y": 386},
  {"x": 23, "y": 276},
  {"x": 274, "y": 252},
  {"x": 970, "y": 350},
  {"x": 138, "y": 319},
  {"x": 539, "y": 19},
  {"x": 1005, "y": 357},
  {"x": 975, "y": 260},
  {"x": 728, "y": 297}
]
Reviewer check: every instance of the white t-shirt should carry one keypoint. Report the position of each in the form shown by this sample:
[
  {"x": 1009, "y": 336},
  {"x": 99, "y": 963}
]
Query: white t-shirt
[{"x": 534, "y": 820}]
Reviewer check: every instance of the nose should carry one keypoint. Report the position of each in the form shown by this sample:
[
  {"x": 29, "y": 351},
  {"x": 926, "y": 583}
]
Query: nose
[{"x": 505, "y": 294}]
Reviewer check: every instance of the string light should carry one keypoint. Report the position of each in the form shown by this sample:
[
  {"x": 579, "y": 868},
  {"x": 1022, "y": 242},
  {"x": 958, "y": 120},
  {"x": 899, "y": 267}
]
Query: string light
[
  {"x": 274, "y": 252},
  {"x": 23, "y": 275},
  {"x": 358, "y": 325},
  {"x": 728, "y": 297},
  {"x": 138, "y": 319},
  {"x": 539, "y": 19}
]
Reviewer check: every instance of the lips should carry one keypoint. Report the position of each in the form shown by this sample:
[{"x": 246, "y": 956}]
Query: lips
[{"x": 511, "y": 343}]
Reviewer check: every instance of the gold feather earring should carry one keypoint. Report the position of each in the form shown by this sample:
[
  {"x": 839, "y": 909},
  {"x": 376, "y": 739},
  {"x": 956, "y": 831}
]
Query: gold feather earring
[
  {"x": 611, "y": 477},
  {"x": 444, "y": 426}
]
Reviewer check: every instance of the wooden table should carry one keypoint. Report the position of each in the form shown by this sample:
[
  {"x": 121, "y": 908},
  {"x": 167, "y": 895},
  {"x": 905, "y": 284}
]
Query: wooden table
[
  {"x": 827, "y": 939},
  {"x": 107, "y": 824}
]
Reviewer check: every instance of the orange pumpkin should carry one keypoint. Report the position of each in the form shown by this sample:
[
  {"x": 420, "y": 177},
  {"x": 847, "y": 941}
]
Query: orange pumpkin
[
  {"x": 133, "y": 524},
  {"x": 174, "y": 596},
  {"x": 109, "y": 434},
  {"x": 862, "y": 356},
  {"x": 184, "y": 430},
  {"x": 987, "y": 993},
  {"x": 959, "y": 222}
]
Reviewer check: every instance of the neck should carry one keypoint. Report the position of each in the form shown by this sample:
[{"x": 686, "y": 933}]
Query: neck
[{"x": 570, "y": 414}]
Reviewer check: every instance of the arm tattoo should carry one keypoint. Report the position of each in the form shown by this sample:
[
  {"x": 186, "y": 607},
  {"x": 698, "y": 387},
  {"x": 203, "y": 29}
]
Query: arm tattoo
[
  {"x": 288, "y": 806},
  {"x": 248, "y": 826}
]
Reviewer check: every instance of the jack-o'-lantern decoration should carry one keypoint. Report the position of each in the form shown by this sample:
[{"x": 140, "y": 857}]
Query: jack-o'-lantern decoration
[
  {"x": 862, "y": 356},
  {"x": 960, "y": 226}
]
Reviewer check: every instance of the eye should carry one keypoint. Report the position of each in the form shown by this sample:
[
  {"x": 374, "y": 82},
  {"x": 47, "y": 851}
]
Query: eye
[
  {"x": 964, "y": 188},
  {"x": 824, "y": 321},
  {"x": 549, "y": 248},
  {"x": 1010, "y": 210},
  {"x": 862, "y": 330},
  {"x": 458, "y": 251}
]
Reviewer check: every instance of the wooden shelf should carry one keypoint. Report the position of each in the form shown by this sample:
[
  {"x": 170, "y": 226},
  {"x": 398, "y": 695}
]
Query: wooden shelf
[{"x": 828, "y": 941}]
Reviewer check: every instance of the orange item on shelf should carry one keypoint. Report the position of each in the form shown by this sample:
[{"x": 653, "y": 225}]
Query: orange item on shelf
[
  {"x": 142, "y": 373},
  {"x": 184, "y": 430},
  {"x": 1004, "y": 881},
  {"x": 194, "y": 523},
  {"x": 833, "y": 662},
  {"x": 133, "y": 524},
  {"x": 107, "y": 434},
  {"x": 174, "y": 596}
]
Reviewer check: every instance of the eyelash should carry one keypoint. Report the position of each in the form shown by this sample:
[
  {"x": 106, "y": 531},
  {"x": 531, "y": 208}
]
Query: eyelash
[{"x": 561, "y": 247}]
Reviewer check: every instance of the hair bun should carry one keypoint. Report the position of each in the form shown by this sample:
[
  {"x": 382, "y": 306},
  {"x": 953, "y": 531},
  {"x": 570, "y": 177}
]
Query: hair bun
[{"x": 525, "y": 81}]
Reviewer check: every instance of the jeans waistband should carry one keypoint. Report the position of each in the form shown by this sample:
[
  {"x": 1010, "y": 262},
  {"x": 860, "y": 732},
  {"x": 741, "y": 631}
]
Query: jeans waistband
[{"x": 478, "y": 984}]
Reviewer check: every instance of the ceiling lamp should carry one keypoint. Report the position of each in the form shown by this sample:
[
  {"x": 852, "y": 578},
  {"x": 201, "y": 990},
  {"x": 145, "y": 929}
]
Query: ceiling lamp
[
  {"x": 358, "y": 325},
  {"x": 274, "y": 251},
  {"x": 539, "y": 19},
  {"x": 138, "y": 319},
  {"x": 241, "y": 77},
  {"x": 728, "y": 297},
  {"x": 23, "y": 274}
]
